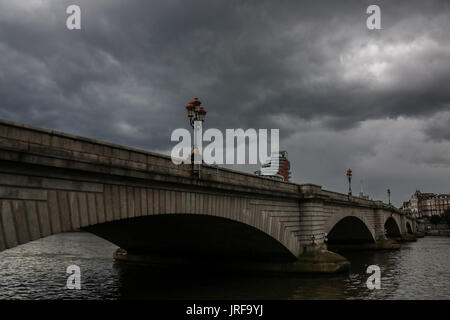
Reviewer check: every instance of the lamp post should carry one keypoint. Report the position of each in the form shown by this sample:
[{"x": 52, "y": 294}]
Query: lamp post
[
  {"x": 349, "y": 176},
  {"x": 389, "y": 196},
  {"x": 196, "y": 114}
]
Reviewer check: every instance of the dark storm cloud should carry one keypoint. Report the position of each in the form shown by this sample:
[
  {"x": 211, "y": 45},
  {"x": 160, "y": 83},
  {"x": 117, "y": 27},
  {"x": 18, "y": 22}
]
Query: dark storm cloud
[
  {"x": 438, "y": 127},
  {"x": 127, "y": 75}
]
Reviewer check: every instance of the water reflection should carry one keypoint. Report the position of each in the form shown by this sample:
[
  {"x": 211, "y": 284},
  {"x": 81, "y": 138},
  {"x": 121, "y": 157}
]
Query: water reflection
[{"x": 37, "y": 270}]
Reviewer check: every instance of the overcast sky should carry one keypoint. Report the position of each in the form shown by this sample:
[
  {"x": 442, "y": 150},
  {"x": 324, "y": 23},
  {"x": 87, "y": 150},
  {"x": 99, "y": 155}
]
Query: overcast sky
[{"x": 377, "y": 101}]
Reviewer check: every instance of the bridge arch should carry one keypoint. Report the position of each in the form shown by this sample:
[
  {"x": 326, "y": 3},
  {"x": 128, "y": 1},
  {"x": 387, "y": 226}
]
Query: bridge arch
[
  {"x": 194, "y": 237},
  {"x": 269, "y": 225},
  {"x": 392, "y": 228},
  {"x": 350, "y": 230}
]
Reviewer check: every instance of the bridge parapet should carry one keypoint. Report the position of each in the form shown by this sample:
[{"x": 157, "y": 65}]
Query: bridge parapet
[
  {"x": 20, "y": 143},
  {"x": 26, "y": 144}
]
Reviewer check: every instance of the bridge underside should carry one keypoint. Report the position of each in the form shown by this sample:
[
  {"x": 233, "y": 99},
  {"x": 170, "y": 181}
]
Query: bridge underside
[
  {"x": 350, "y": 230},
  {"x": 392, "y": 228},
  {"x": 190, "y": 237}
]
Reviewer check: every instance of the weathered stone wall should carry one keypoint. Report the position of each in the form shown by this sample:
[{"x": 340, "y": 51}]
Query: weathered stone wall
[
  {"x": 49, "y": 206},
  {"x": 31, "y": 145}
]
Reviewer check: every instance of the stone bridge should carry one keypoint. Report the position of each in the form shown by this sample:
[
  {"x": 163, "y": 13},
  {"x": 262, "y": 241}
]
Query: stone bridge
[{"x": 156, "y": 211}]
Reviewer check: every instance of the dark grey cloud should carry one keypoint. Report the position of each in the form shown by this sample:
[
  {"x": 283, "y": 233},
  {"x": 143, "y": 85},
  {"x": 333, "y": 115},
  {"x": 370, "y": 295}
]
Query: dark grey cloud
[
  {"x": 438, "y": 127},
  {"x": 311, "y": 68}
]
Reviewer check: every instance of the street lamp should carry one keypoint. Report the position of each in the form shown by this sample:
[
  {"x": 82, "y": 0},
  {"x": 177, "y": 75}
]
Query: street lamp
[
  {"x": 196, "y": 114},
  {"x": 389, "y": 196},
  {"x": 349, "y": 176},
  {"x": 195, "y": 111}
]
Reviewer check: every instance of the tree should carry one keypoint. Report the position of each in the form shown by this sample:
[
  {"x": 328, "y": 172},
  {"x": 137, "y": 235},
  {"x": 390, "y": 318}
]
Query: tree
[
  {"x": 435, "y": 219},
  {"x": 446, "y": 216}
]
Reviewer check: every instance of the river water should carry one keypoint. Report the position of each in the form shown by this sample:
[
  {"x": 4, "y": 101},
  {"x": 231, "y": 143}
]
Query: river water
[{"x": 37, "y": 270}]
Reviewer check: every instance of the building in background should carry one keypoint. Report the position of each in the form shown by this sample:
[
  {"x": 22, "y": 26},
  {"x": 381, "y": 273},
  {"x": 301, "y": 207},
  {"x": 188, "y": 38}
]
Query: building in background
[
  {"x": 363, "y": 196},
  {"x": 434, "y": 204},
  {"x": 284, "y": 167},
  {"x": 426, "y": 204},
  {"x": 407, "y": 209}
]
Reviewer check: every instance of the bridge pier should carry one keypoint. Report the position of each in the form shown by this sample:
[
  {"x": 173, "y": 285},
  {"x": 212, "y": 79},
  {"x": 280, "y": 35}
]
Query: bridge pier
[
  {"x": 385, "y": 244},
  {"x": 381, "y": 241},
  {"x": 314, "y": 256},
  {"x": 319, "y": 261},
  {"x": 406, "y": 238}
]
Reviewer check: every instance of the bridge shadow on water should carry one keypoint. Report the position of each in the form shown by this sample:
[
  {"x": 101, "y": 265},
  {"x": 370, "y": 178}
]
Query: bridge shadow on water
[
  {"x": 138, "y": 282},
  {"x": 144, "y": 282}
]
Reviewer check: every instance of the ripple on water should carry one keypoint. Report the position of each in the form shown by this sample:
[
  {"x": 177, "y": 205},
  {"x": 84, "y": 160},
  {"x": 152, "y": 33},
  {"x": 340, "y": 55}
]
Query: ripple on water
[{"x": 37, "y": 270}]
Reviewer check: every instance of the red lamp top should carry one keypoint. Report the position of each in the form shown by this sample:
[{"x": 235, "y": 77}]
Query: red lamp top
[
  {"x": 196, "y": 102},
  {"x": 202, "y": 111}
]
